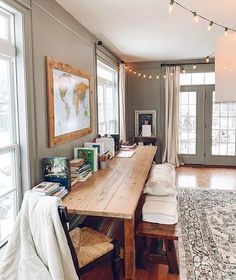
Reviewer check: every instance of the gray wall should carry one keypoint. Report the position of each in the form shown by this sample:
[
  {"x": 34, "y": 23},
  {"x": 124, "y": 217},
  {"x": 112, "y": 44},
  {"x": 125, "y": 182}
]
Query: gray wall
[{"x": 56, "y": 34}]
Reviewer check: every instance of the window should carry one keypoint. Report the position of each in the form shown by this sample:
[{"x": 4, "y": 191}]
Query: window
[
  {"x": 9, "y": 138},
  {"x": 108, "y": 105},
  {"x": 187, "y": 122},
  {"x": 223, "y": 128},
  {"x": 207, "y": 78}
]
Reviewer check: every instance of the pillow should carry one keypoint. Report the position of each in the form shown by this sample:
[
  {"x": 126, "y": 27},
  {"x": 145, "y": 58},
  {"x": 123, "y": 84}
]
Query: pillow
[{"x": 161, "y": 180}]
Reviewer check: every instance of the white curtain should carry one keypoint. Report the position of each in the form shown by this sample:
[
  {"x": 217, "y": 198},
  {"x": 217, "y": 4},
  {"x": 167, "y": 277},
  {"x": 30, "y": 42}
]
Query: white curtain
[
  {"x": 172, "y": 89},
  {"x": 122, "y": 100}
]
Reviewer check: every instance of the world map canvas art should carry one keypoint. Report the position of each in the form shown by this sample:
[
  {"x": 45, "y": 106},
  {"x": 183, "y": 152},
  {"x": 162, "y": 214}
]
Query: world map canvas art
[{"x": 69, "y": 102}]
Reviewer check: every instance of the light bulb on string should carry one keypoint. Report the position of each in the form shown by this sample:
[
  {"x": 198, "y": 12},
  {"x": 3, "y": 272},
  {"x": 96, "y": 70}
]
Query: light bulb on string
[
  {"x": 164, "y": 76},
  {"x": 195, "y": 17},
  {"x": 207, "y": 59},
  {"x": 170, "y": 9},
  {"x": 171, "y": 74},
  {"x": 150, "y": 77},
  {"x": 194, "y": 66},
  {"x": 139, "y": 74},
  {"x": 183, "y": 70},
  {"x": 130, "y": 70},
  {"x": 226, "y": 31},
  {"x": 135, "y": 72},
  {"x": 144, "y": 76},
  {"x": 210, "y": 26},
  {"x": 157, "y": 77}
]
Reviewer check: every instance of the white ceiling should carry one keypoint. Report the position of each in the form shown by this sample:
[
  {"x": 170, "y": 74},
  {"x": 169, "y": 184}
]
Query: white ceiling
[{"x": 143, "y": 30}]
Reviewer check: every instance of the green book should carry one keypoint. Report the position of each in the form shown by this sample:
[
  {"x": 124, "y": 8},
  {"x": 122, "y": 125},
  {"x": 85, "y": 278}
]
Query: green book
[{"x": 90, "y": 155}]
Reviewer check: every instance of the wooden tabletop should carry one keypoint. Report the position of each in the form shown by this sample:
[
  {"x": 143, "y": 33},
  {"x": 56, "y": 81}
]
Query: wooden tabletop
[{"x": 115, "y": 191}]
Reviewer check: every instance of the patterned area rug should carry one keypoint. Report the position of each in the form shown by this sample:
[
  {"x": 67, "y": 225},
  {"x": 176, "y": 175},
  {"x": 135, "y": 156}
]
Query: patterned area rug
[{"x": 207, "y": 229}]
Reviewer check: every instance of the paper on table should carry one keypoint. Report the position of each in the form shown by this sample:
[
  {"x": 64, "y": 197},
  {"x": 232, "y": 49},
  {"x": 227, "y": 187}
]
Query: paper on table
[{"x": 125, "y": 154}]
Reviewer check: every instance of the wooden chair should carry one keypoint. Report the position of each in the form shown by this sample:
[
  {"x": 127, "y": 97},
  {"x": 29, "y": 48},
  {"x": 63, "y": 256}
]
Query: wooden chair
[
  {"x": 153, "y": 238},
  {"x": 89, "y": 247}
]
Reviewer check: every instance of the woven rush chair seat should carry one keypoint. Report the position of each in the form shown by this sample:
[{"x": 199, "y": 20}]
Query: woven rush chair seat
[{"x": 89, "y": 245}]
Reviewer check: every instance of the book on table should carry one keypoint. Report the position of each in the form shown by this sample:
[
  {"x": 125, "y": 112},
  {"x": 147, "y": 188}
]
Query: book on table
[
  {"x": 50, "y": 188},
  {"x": 90, "y": 156},
  {"x": 57, "y": 170}
]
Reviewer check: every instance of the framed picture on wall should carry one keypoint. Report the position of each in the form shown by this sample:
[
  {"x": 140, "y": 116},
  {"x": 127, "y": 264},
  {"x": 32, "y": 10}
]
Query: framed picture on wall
[
  {"x": 145, "y": 118},
  {"x": 70, "y": 103}
]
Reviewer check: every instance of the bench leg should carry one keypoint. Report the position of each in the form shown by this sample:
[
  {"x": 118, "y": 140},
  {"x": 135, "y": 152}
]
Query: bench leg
[{"x": 171, "y": 256}]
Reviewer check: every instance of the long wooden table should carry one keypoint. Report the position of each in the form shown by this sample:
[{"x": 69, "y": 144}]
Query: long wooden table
[{"x": 115, "y": 192}]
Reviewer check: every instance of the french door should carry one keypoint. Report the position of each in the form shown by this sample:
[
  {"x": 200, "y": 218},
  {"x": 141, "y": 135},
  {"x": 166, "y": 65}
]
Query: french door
[{"x": 207, "y": 130}]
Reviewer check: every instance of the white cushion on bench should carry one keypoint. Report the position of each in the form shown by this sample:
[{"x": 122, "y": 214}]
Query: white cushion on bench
[
  {"x": 161, "y": 210},
  {"x": 161, "y": 180}
]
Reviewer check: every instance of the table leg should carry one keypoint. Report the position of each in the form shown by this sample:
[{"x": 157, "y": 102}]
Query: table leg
[{"x": 129, "y": 252}]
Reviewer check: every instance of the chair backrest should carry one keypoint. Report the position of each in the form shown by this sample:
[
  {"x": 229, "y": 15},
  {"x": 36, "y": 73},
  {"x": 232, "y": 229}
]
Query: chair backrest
[{"x": 64, "y": 217}]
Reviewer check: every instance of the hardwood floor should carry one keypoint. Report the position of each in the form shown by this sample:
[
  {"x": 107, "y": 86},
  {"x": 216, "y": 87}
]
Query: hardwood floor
[{"x": 222, "y": 178}]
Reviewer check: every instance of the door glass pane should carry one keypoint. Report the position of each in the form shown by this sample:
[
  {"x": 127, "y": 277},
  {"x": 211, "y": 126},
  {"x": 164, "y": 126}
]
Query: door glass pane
[
  {"x": 5, "y": 104},
  {"x": 187, "y": 122},
  {"x": 223, "y": 128},
  {"x": 7, "y": 215}
]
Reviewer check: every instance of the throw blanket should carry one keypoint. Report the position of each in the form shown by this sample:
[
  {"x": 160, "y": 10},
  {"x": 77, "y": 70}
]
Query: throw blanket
[{"x": 37, "y": 247}]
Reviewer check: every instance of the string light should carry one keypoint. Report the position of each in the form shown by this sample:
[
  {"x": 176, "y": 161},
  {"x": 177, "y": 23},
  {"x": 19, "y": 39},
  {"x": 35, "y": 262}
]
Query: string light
[
  {"x": 226, "y": 31},
  {"x": 164, "y": 76},
  {"x": 139, "y": 74},
  {"x": 210, "y": 26},
  {"x": 171, "y": 6},
  {"x": 158, "y": 77},
  {"x": 130, "y": 70},
  {"x": 135, "y": 72},
  {"x": 183, "y": 70},
  {"x": 144, "y": 76},
  {"x": 207, "y": 59},
  {"x": 194, "y": 66},
  {"x": 195, "y": 17},
  {"x": 150, "y": 77}
]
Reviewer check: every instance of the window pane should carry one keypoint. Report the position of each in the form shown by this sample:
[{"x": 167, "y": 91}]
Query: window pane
[
  {"x": 223, "y": 129},
  {"x": 107, "y": 100},
  {"x": 5, "y": 104},
  {"x": 210, "y": 78},
  {"x": 187, "y": 123},
  {"x": 197, "y": 78},
  {"x": 3, "y": 26},
  {"x": 186, "y": 79},
  {"x": 7, "y": 215},
  {"x": 6, "y": 173}
]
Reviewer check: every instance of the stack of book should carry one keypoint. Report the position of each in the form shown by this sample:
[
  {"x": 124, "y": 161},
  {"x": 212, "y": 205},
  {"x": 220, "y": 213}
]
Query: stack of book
[
  {"x": 80, "y": 171},
  {"x": 49, "y": 188}
]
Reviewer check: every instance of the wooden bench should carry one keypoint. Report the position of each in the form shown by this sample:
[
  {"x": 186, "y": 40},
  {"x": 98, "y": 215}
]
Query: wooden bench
[{"x": 156, "y": 243}]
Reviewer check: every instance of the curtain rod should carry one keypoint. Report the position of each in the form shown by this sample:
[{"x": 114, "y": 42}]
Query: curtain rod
[
  {"x": 187, "y": 64},
  {"x": 99, "y": 43}
]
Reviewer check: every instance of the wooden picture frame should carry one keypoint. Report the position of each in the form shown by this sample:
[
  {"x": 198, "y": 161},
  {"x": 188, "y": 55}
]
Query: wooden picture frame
[
  {"x": 149, "y": 116},
  {"x": 70, "y": 102}
]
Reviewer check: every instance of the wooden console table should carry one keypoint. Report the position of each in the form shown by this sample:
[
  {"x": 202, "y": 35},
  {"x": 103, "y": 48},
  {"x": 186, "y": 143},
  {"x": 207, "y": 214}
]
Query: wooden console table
[{"x": 115, "y": 192}]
